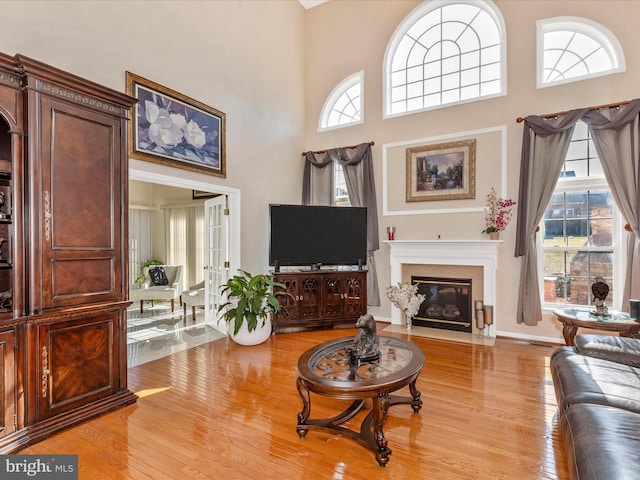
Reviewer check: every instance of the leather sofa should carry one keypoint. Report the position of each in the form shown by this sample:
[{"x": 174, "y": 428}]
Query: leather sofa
[{"x": 597, "y": 387}]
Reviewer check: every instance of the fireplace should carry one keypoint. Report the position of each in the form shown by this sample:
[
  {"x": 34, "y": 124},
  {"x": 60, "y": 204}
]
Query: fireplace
[
  {"x": 448, "y": 255},
  {"x": 447, "y": 303}
]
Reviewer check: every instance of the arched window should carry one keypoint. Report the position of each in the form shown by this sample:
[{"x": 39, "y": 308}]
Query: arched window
[
  {"x": 573, "y": 48},
  {"x": 445, "y": 52},
  {"x": 343, "y": 106}
]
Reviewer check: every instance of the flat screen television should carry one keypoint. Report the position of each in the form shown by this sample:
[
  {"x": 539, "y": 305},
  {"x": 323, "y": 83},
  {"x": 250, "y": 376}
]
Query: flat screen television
[{"x": 304, "y": 235}]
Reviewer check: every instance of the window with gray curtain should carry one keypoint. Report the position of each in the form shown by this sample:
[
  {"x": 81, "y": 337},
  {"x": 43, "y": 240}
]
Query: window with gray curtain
[
  {"x": 580, "y": 233},
  {"x": 357, "y": 167},
  {"x": 615, "y": 132}
]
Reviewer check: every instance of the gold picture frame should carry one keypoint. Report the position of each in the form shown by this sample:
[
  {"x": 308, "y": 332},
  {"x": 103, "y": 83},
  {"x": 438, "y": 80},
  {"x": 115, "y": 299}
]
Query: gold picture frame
[
  {"x": 172, "y": 129},
  {"x": 442, "y": 171}
]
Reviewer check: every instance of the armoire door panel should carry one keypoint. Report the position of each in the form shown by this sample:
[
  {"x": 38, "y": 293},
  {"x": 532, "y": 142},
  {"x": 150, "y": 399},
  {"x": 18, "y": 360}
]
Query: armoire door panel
[
  {"x": 77, "y": 363},
  {"x": 82, "y": 213},
  {"x": 81, "y": 277},
  {"x": 79, "y": 222}
]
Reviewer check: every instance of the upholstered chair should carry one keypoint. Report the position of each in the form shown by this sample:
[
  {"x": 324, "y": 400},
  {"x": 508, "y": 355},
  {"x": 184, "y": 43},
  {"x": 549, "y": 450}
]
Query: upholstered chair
[
  {"x": 193, "y": 297},
  {"x": 167, "y": 287}
]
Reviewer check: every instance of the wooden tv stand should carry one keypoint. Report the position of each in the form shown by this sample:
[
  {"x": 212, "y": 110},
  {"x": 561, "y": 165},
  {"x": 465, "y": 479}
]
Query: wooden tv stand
[{"x": 321, "y": 298}]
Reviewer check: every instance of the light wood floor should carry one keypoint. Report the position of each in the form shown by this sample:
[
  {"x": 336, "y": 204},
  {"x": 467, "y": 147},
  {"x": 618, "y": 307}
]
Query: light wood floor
[{"x": 222, "y": 411}]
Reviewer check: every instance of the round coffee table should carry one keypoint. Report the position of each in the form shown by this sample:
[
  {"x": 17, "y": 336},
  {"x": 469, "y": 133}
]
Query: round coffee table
[
  {"x": 574, "y": 318},
  {"x": 329, "y": 370}
]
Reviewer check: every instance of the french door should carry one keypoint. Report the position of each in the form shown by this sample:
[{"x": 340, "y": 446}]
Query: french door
[{"x": 216, "y": 256}]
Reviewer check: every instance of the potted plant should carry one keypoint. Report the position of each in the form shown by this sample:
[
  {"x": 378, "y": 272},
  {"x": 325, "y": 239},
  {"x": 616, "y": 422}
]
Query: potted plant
[
  {"x": 497, "y": 214},
  {"x": 251, "y": 301}
]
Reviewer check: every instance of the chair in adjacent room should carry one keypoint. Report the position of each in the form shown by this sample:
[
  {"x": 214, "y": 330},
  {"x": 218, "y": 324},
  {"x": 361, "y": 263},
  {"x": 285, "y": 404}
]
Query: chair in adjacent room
[
  {"x": 193, "y": 297},
  {"x": 162, "y": 282}
]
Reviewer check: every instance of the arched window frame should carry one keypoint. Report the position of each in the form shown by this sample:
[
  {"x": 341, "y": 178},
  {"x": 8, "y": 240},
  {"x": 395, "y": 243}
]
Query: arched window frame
[
  {"x": 599, "y": 33},
  {"x": 337, "y": 94},
  {"x": 422, "y": 10}
]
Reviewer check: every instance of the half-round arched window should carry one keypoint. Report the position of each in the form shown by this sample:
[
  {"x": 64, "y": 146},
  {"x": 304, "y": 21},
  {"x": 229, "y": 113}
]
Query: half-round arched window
[
  {"x": 443, "y": 53},
  {"x": 343, "y": 106},
  {"x": 573, "y": 48}
]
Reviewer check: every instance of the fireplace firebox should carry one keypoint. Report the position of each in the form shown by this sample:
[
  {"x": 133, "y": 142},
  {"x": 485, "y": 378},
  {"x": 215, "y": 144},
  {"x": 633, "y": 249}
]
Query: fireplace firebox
[{"x": 447, "y": 303}]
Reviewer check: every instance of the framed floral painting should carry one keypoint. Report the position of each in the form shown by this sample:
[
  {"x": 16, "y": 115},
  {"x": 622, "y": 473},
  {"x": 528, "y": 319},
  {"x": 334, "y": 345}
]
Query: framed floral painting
[
  {"x": 172, "y": 129},
  {"x": 443, "y": 171}
]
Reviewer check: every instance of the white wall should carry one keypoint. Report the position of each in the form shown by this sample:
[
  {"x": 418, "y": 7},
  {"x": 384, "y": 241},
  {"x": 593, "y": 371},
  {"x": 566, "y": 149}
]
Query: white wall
[
  {"x": 364, "y": 31},
  {"x": 244, "y": 58}
]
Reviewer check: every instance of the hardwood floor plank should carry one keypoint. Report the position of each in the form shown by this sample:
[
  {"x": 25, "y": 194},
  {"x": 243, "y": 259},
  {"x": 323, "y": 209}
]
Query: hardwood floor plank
[{"x": 223, "y": 411}]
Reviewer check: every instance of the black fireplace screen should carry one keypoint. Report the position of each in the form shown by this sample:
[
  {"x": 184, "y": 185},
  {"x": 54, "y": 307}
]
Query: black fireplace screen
[{"x": 447, "y": 303}]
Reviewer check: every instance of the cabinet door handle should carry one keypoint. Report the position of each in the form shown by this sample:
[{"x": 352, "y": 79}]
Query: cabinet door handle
[
  {"x": 45, "y": 372},
  {"x": 47, "y": 215}
]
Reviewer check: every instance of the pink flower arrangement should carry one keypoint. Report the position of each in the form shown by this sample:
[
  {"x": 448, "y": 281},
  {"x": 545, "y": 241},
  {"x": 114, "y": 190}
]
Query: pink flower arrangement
[{"x": 498, "y": 213}]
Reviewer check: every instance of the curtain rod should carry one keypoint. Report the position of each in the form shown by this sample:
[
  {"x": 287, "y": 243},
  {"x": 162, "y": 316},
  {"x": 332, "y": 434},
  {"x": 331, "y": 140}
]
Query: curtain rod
[
  {"x": 596, "y": 107},
  {"x": 348, "y": 146}
]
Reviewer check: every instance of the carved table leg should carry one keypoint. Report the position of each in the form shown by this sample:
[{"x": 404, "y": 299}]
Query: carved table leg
[
  {"x": 416, "y": 404},
  {"x": 569, "y": 333},
  {"x": 380, "y": 408},
  {"x": 303, "y": 416}
]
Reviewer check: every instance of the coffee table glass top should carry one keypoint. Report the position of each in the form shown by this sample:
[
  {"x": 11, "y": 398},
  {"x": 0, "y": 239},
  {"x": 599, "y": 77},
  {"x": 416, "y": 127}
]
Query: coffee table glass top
[
  {"x": 584, "y": 314},
  {"x": 332, "y": 362}
]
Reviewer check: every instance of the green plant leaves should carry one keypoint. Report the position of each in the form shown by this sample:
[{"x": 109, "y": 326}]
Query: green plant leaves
[{"x": 251, "y": 298}]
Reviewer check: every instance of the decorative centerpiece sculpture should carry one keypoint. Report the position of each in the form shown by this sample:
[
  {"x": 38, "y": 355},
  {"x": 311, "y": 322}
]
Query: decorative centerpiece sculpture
[
  {"x": 365, "y": 346},
  {"x": 600, "y": 290}
]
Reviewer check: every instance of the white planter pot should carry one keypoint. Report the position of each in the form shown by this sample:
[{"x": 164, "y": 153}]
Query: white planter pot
[{"x": 259, "y": 335}]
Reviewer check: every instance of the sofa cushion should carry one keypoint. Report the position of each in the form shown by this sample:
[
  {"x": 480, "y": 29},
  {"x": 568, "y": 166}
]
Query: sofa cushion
[
  {"x": 601, "y": 442},
  {"x": 610, "y": 347},
  {"x": 581, "y": 378},
  {"x": 158, "y": 276}
]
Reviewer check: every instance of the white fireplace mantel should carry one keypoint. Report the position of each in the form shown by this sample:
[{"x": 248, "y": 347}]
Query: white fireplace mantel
[{"x": 482, "y": 253}]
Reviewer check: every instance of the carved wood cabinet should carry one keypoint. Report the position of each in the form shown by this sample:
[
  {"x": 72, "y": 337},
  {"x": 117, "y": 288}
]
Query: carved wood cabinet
[
  {"x": 63, "y": 269},
  {"x": 321, "y": 298}
]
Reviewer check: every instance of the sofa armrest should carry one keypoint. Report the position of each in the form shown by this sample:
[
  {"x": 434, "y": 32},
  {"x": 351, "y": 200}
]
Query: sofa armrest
[{"x": 609, "y": 347}]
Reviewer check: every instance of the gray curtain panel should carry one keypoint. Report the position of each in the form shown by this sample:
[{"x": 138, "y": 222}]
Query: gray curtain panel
[
  {"x": 544, "y": 147},
  {"x": 357, "y": 164},
  {"x": 616, "y": 132}
]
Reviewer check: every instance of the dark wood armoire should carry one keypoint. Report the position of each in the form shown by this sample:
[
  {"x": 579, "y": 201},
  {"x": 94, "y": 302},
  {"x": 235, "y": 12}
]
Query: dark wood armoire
[{"x": 63, "y": 257}]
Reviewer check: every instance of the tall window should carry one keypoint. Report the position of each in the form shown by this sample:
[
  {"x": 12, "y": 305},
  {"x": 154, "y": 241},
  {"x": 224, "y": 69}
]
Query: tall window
[
  {"x": 340, "y": 193},
  {"x": 139, "y": 240},
  {"x": 572, "y": 49},
  {"x": 445, "y": 52},
  {"x": 578, "y": 228},
  {"x": 185, "y": 241},
  {"x": 343, "y": 106}
]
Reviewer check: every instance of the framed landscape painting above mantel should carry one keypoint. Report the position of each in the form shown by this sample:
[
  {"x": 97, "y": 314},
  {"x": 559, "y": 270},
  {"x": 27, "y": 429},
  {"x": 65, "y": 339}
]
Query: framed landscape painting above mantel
[
  {"x": 172, "y": 129},
  {"x": 444, "y": 171}
]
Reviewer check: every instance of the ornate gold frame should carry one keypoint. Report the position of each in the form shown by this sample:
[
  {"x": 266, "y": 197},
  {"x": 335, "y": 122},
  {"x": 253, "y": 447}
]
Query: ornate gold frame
[
  {"x": 172, "y": 129},
  {"x": 445, "y": 159}
]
